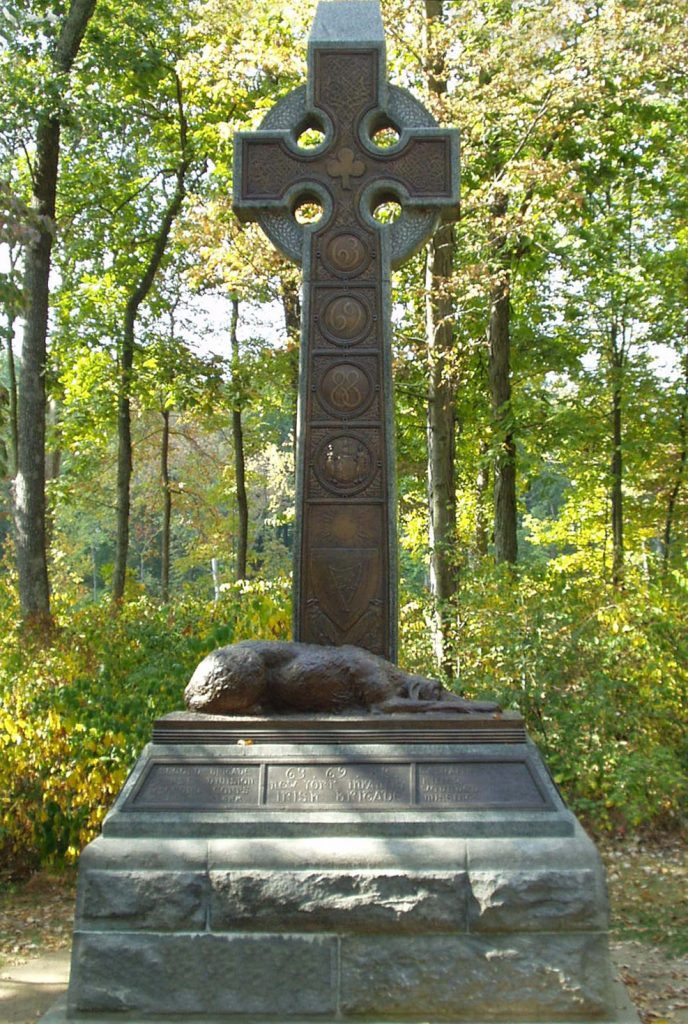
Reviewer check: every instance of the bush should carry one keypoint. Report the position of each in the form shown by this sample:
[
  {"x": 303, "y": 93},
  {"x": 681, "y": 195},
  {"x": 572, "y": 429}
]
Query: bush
[
  {"x": 599, "y": 675},
  {"x": 75, "y": 715}
]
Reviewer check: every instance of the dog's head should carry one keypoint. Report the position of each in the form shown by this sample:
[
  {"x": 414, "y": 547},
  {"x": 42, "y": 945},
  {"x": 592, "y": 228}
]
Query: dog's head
[{"x": 419, "y": 688}]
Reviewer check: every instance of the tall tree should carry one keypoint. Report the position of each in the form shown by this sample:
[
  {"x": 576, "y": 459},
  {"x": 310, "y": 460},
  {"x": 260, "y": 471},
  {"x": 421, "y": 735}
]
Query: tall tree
[
  {"x": 290, "y": 296},
  {"x": 680, "y": 469},
  {"x": 165, "y": 483},
  {"x": 499, "y": 376},
  {"x": 12, "y": 296},
  {"x": 238, "y": 443},
  {"x": 439, "y": 317},
  {"x": 126, "y": 359},
  {"x": 29, "y": 485}
]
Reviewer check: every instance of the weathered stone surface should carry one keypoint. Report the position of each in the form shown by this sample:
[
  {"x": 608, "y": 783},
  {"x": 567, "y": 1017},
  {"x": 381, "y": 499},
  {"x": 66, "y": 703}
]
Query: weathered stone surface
[
  {"x": 360, "y": 853},
  {"x": 338, "y": 900},
  {"x": 543, "y": 977},
  {"x": 279, "y": 676},
  {"x": 623, "y": 1012},
  {"x": 534, "y": 884},
  {"x": 144, "y": 853},
  {"x": 534, "y": 901},
  {"x": 185, "y": 826},
  {"x": 281, "y": 976},
  {"x": 152, "y": 900},
  {"x": 503, "y": 854}
]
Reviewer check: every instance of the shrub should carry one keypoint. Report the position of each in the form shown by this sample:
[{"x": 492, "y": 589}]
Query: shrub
[
  {"x": 75, "y": 715},
  {"x": 599, "y": 675}
]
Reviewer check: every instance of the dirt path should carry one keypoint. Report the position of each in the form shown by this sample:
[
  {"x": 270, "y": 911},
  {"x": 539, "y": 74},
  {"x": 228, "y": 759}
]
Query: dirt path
[
  {"x": 648, "y": 892},
  {"x": 647, "y": 884}
]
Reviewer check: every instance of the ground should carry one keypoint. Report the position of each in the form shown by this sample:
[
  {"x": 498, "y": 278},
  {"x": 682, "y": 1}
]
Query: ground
[
  {"x": 648, "y": 889},
  {"x": 647, "y": 886}
]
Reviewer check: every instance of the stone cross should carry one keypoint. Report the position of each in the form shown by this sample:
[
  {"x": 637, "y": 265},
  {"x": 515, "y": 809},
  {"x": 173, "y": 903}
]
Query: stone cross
[{"x": 345, "y": 575}]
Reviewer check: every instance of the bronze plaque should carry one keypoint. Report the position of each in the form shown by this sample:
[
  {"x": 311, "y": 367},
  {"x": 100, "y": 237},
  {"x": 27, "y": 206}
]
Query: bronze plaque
[
  {"x": 478, "y": 783},
  {"x": 370, "y": 784},
  {"x": 367, "y": 784},
  {"x": 193, "y": 786}
]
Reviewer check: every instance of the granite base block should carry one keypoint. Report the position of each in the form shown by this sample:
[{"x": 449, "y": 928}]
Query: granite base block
[
  {"x": 148, "y": 900},
  {"x": 338, "y": 901},
  {"x": 623, "y": 1012},
  {"x": 534, "y": 901},
  {"x": 462, "y": 977},
  {"x": 183, "y": 974},
  {"x": 362, "y": 913}
]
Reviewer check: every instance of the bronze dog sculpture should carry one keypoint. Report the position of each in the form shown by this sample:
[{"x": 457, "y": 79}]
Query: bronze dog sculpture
[{"x": 261, "y": 676}]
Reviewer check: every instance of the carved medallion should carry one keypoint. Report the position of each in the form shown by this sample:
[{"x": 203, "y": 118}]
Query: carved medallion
[
  {"x": 345, "y": 253},
  {"x": 345, "y": 319},
  {"x": 346, "y": 390},
  {"x": 344, "y": 464}
]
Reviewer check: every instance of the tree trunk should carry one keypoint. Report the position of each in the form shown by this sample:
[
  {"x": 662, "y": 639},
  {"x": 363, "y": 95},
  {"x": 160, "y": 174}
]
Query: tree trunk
[
  {"x": 215, "y": 570},
  {"x": 441, "y": 447},
  {"x": 12, "y": 380},
  {"x": 53, "y": 461},
  {"x": 440, "y": 421},
  {"x": 680, "y": 470},
  {"x": 291, "y": 304},
  {"x": 482, "y": 533},
  {"x": 124, "y": 459},
  {"x": 617, "y": 491},
  {"x": 239, "y": 459},
  {"x": 437, "y": 81},
  {"x": 166, "y": 507},
  {"x": 12, "y": 399},
  {"x": 29, "y": 484},
  {"x": 499, "y": 337},
  {"x": 617, "y": 360},
  {"x": 137, "y": 297}
]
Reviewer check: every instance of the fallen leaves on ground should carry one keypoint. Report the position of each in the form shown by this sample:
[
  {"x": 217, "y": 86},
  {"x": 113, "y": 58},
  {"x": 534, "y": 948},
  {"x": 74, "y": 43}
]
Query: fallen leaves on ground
[
  {"x": 647, "y": 892},
  {"x": 36, "y": 916},
  {"x": 657, "y": 983}
]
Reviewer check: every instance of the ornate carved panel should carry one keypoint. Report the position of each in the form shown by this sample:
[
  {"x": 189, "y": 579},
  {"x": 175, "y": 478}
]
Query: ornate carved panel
[
  {"x": 345, "y": 582},
  {"x": 345, "y": 462}
]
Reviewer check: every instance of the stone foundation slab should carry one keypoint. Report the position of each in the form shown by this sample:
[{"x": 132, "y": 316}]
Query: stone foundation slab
[{"x": 249, "y": 910}]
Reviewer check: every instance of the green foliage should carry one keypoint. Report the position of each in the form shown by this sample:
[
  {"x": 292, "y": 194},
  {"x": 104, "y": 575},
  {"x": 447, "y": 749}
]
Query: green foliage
[
  {"x": 74, "y": 716},
  {"x": 574, "y": 171},
  {"x": 600, "y": 676}
]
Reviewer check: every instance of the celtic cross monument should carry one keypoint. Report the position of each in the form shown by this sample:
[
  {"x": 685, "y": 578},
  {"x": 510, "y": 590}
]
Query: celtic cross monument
[
  {"x": 284, "y": 861},
  {"x": 345, "y": 577}
]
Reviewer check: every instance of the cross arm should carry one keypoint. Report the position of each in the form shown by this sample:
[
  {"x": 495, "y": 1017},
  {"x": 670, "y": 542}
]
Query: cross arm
[
  {"x": 267, "y": 173},
  {"x": 424, "y": 168}
]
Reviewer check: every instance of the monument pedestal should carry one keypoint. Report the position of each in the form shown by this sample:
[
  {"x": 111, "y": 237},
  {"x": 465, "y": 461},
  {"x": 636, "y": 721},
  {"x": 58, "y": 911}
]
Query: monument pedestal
[{"x": 372, "y": 868}]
